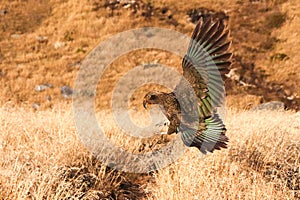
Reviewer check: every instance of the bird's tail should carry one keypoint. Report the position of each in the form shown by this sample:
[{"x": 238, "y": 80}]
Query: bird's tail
[{"x": 208, "y": 140}]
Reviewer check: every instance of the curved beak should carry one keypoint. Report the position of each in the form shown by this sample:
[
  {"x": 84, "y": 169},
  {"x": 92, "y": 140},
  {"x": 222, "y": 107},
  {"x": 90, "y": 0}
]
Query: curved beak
[{"x": 145, "y": 104}]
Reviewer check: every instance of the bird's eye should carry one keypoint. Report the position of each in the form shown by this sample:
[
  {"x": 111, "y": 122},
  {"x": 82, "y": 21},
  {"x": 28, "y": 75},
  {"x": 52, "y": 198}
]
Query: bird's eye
[{"x": 153, "y": 97}]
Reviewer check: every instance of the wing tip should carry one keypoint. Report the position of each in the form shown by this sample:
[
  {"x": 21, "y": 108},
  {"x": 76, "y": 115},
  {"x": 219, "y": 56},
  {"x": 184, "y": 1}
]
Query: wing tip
[
  {"x": 209, "y": 140},
  {"x": 210, "y": 147}
]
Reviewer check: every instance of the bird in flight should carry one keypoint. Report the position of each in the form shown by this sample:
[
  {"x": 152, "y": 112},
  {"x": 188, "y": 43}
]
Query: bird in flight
[{"x": 191, "y": 107}]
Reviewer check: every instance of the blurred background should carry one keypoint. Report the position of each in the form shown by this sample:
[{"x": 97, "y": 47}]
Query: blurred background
[{"x": 44, "y": 42}]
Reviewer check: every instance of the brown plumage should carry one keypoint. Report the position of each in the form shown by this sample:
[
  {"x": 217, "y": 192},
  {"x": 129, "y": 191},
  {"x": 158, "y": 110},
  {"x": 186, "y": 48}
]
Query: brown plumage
[{"x": 191, "y": 107}]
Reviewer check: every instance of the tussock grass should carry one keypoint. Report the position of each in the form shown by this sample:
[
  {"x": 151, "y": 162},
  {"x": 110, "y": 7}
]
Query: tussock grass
[
  {"x": 43, "y": 158},
  {"x": 261, "y": 162}
]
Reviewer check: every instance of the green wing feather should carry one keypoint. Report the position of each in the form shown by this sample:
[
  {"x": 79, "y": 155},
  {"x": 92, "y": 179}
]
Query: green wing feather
[
  {"x": 204, "y": 66},
  {"x": 208, "y": 61},
  {"x": 213, "y": 137}
]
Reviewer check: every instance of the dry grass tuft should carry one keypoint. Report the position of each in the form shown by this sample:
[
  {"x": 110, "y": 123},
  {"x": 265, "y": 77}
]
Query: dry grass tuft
[{"x": 42, "y": 158}]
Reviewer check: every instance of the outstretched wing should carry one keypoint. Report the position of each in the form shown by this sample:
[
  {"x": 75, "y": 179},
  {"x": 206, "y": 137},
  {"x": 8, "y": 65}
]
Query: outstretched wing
[{"x": 204, "y": 66}]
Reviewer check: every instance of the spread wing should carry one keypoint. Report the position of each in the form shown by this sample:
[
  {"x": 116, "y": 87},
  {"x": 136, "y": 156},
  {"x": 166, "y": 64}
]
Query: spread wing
[{"x": 204, "y": 66}]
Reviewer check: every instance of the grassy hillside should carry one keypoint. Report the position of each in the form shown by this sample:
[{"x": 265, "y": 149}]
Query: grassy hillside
[
  {"x": 265, "y": 52},
  {"x": 42, "y": 158}
]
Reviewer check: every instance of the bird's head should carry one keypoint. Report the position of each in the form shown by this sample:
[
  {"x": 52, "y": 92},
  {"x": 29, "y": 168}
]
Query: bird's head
[{"x": 151, "y": 98}]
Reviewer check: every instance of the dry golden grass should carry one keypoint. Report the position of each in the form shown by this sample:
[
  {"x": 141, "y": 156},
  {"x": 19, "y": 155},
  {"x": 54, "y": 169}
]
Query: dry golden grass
[
  {"x": 26, "y": 62},
  {"x": 286, "y": 70},
  {"x": 42, "y": 158},
  {"x": 259, "y": 143}
]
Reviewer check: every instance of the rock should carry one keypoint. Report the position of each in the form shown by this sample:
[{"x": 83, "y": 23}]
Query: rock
[
  {"x": 155, "y": 63},
  {"x": 233, "y": 75},
  {"x": 3, "y": 12},
  {"x": 35, "y": 106},
  {"x": 40, "y": 88},
  {"x": 48, "y": 98},
  {"x": 15, "y": 36},
  {"x": 66, "y": 91},
  {"x": 58, "y": 45},
  {"x": 272, "y": 105},
  {"x": 41, "y": 39}
]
